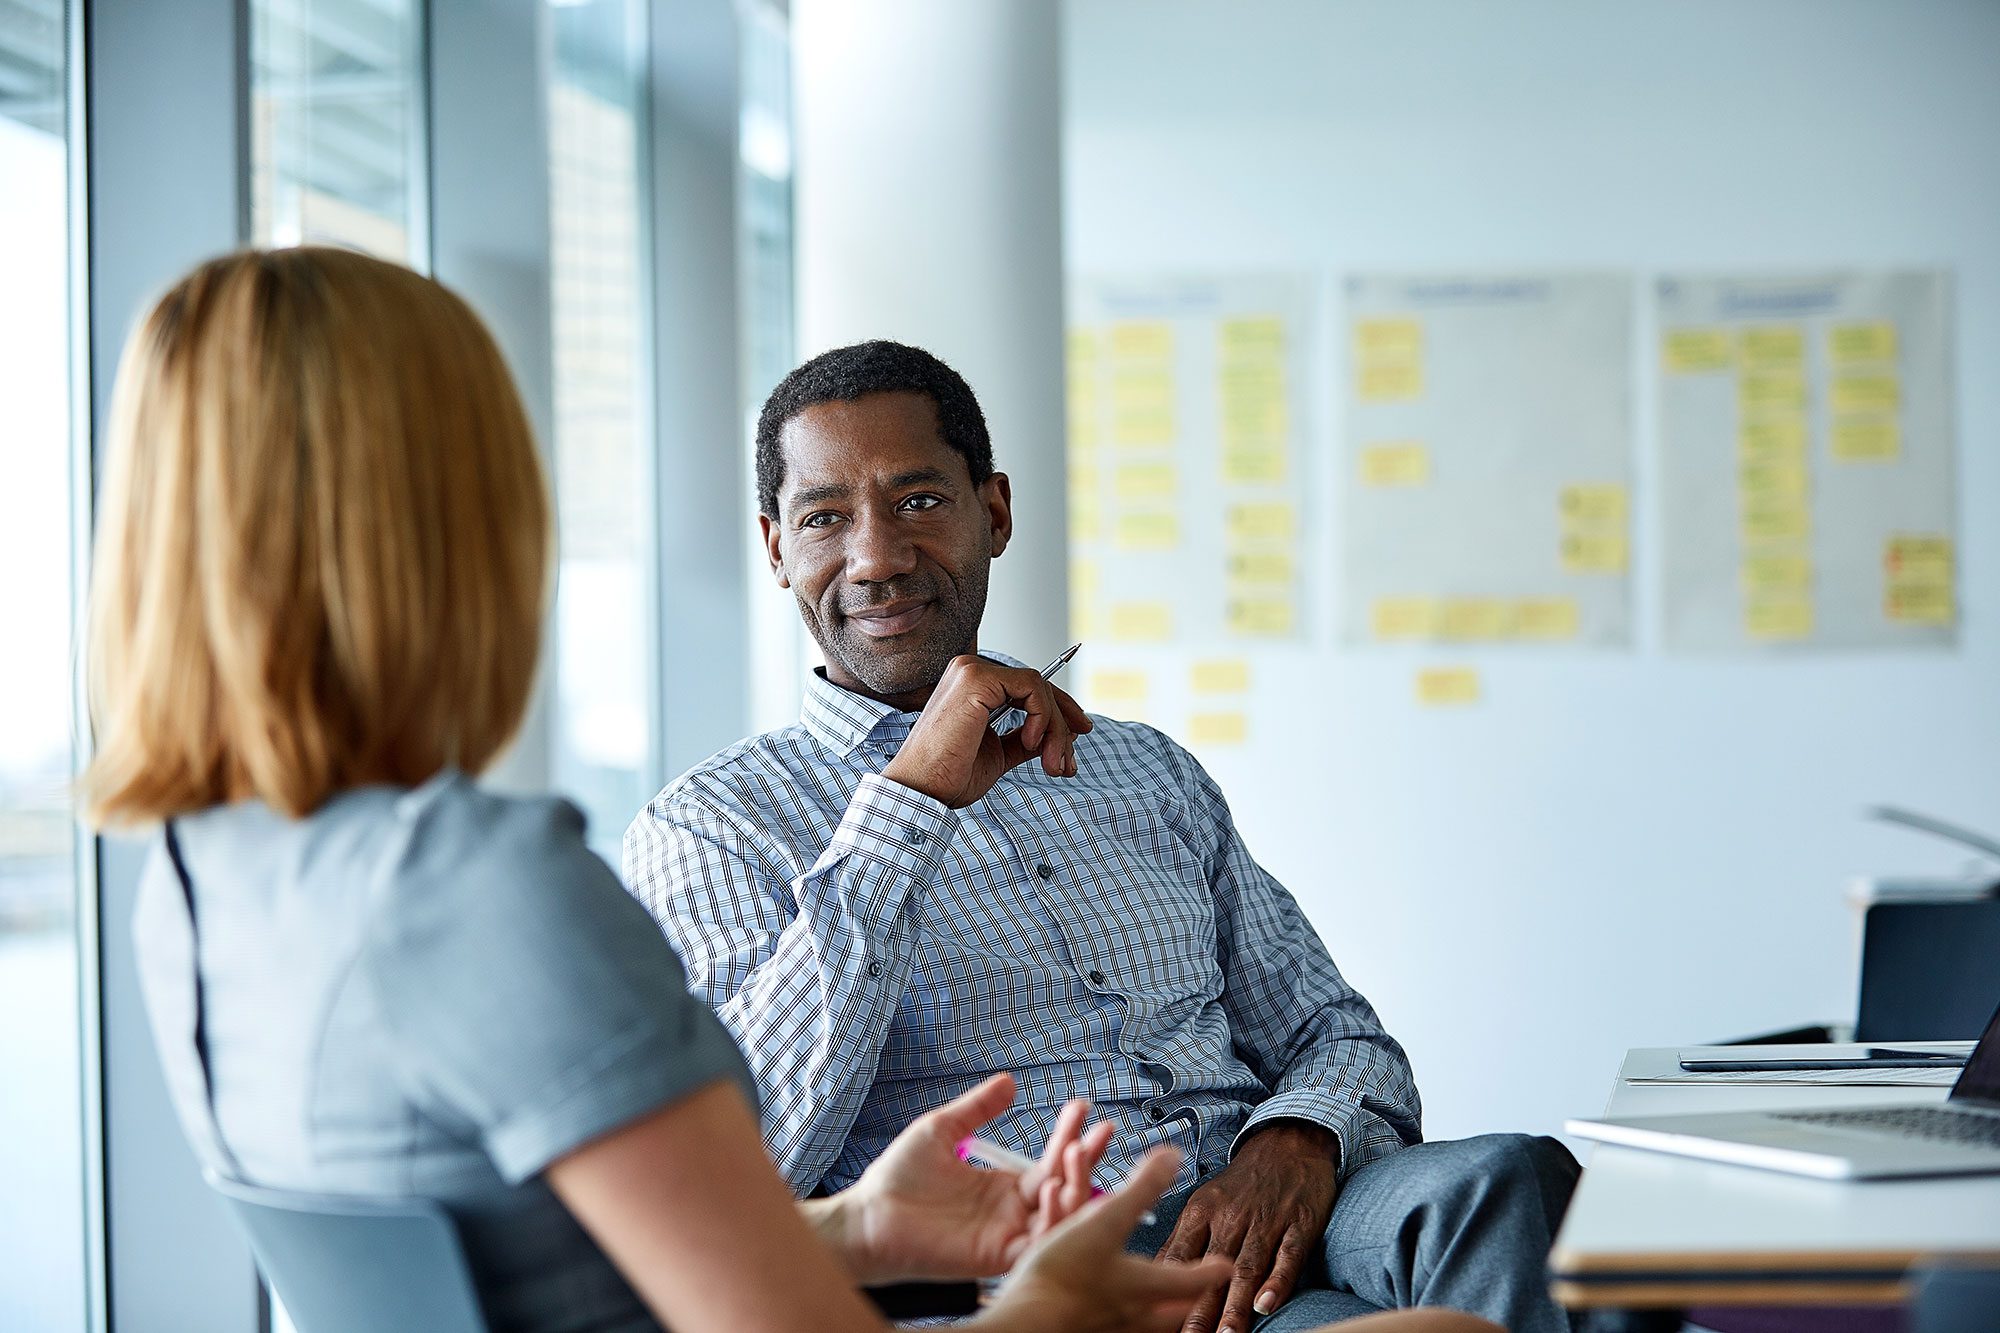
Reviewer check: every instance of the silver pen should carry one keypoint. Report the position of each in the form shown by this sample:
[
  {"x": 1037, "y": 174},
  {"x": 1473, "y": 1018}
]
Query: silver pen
[{"x": 1047, "y": 672}]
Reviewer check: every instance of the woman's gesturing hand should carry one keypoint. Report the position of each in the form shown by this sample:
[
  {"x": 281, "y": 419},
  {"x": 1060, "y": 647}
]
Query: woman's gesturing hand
[
  {"x": 1080, "y": 1279},
  {"x": 919, "y": 1212}
]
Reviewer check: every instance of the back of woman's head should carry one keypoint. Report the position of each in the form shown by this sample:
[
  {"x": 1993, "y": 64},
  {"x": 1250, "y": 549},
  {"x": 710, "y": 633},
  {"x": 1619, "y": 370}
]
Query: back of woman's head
[{"x": 322, "y": 550}]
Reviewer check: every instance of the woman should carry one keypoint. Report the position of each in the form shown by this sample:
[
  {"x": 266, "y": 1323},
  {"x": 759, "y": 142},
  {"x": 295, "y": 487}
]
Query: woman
[{"x": 322, "y": 565}]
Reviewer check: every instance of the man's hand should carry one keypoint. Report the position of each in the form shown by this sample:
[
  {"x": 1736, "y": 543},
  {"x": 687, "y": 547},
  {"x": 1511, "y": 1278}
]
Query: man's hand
[
  {"x": 1263, "y": 1212},
  {"x": 918, "y": 1212},
  {"x": 953, "y": 756}
]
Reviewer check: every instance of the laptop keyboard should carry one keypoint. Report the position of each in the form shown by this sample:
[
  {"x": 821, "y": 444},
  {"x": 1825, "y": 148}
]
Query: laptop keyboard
[{"x": 1936, "y": 1123}]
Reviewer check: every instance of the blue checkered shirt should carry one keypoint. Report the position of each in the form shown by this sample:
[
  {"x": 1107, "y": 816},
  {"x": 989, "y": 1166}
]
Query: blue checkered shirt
[{"x": 1104, "y": 936}]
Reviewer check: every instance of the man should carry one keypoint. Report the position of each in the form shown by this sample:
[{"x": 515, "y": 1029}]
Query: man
[{"x": 893, "y": 899}]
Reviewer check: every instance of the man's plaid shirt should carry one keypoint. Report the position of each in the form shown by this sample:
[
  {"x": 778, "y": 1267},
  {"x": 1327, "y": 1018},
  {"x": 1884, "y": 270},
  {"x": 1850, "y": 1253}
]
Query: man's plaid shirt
[{"x": 1104, "y": 936}]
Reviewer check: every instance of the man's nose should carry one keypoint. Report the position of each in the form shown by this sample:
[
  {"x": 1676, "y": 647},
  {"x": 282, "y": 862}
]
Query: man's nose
[{"x": 879, "y": 549}]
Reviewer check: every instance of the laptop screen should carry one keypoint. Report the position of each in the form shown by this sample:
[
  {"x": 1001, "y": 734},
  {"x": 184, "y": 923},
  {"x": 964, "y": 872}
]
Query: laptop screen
[{"x": 1981, "y": 1080}]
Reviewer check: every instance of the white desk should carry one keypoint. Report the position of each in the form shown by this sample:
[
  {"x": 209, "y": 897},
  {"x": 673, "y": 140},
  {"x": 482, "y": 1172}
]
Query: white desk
[{"x": 1647, "y": 1230}]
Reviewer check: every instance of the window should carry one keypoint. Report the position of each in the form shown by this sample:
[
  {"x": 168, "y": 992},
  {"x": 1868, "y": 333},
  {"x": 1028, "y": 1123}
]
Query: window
[
  {"x": 41, "y": 1113},
  {"x": 604, "y": 736},
  {"x": 336, "y": 126}
]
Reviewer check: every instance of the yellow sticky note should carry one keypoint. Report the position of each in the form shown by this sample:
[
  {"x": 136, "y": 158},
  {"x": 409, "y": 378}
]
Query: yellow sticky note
[
  {"x": 1604, "y": 503},
  {"x": 1918, "y": 559},
  {"x": 1391, "y": 619},
  {"x": 1142, "y": 340},
  {"x": 1390, "y": 381},
  {"x": 1144, "y": 481},
  {"x": 1773, "y": 439},
  {"x": 1142, "y": 407},
  {"x": 1778, "y": 618},
  {"x": 1086, "y": 517},
  {"x": 1775, "y": 519},
  {"x": 1772, "y": 479},
  {"x": 1444, "y": 687},
  {"x": 1397, "y": 463},
  {"x": 1261, "y": 567},
  {"x": 1546, "y": 618},
  {"x": 1223, "y": 675},
  {"x": 1772, "y": 345},
  {"x": 1085, "y": 579},
  {"x": 1260, "y": 464},
  {"x": 1218, "y": 728},
  {"x": 1867, "y": 439},
  {"x": 1767, "y": 572},
  {"x": 1148, "y": 530},
  {"x": 1142, "y": 391},
  {"x": 1085, "y": 620},
  {"x": 1264, "y": 521},
  {"x": 1862, "y": 342},
  {"x": 1920, "y": 603},
  {"x": 1082, "y": 346},
  {"x": 1084, "y": 478},
  {"x": 1083, "y": 429},
  {"x": 1253, "y": 419},
  {"x": 1696, "y": 351},
  {"x": 1260, "y": 337},
  {"x": 1262, "y": 617},
  {"x": 1771, "y": 390},
  {"x": 1866, "y": 393},
  {"x": 1141, "y": 622},
  {"x": 1258, "y": 381},
  {"x": 1595, "y": 552},
  {"x": 1388, "y": 340},
  {"x": 1476, "y": 619},
  {"x": 1117, "y": 687}
]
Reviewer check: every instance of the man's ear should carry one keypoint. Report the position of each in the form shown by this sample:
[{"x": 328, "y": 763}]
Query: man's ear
[
  {"x": 771, "y": 533},
  {"x": 998, "y": 493}
]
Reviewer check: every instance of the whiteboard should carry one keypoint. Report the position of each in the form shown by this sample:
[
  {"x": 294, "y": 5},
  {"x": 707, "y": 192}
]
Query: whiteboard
[{"x": 1609, "y": 849}]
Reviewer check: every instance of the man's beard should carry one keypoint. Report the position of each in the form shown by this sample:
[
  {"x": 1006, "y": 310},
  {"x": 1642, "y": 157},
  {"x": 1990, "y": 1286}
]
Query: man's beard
[{"x": 911, "y": 663}]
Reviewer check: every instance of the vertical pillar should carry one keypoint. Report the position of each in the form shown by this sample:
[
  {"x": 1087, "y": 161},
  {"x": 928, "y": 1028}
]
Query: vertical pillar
[{"x": 928, "y": 207}]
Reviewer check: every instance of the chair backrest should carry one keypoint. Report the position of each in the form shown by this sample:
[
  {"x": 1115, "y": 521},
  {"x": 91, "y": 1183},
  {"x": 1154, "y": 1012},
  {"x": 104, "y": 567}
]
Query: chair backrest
[
  {"x": 1929, "y": 970},
  {"x": 344, "y": 1265},
  {"x": 1957, "y": 1300}
]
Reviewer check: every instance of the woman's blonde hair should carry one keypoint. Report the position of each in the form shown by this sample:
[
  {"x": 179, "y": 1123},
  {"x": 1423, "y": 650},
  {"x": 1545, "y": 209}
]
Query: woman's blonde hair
[{"x": 323, "y": 543}]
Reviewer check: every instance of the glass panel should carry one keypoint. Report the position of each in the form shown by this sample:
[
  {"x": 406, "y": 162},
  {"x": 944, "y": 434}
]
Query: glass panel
[
  {"x": 781, "y": 652},
  {"x": 606, "y": 685},
  {"x": 336, "y": 127},
  {"x": 41, "y": 1114}
]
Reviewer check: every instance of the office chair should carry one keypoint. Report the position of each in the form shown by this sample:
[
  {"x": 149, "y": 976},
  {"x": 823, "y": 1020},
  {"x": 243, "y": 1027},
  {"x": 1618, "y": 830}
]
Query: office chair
[
  {"x": 344, "y": 1265},
  {"x": 1930, "y": 971},
  {"x": 1957, "y": 1300}
]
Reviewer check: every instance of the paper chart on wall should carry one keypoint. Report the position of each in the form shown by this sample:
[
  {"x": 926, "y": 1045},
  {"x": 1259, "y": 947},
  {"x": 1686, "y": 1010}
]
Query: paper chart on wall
[
  {"x": 1806, "y": 473},
  {"x": 1486, "y": 461},
  {"x": 1188, "y": 462}
]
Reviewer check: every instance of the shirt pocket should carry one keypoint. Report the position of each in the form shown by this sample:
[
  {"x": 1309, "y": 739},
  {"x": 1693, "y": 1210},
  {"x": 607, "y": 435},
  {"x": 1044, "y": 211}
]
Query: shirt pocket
[{"x": 1148, "y": 924}]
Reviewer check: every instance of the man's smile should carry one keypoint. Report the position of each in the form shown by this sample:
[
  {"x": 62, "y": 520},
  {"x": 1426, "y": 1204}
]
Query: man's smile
[{"x": 890, "y": 618}]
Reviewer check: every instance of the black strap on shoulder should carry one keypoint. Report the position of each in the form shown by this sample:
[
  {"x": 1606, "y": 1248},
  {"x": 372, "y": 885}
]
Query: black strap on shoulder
[{"x": 194, "y": 935}]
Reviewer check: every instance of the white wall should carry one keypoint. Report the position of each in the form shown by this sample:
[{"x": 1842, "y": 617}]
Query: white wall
[{"x": 1613, "y": 849}]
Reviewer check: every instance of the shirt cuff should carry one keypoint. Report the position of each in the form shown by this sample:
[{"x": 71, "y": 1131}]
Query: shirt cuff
[
  {"x": 1363, "y": 1136},
  {"x": 889, "y": 823}
]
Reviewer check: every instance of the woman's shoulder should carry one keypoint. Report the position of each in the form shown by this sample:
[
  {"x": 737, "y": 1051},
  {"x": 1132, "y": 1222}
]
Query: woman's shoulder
[{"x": 458, "y": 849}]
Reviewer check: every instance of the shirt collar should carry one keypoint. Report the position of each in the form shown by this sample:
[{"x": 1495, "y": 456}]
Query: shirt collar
[{"x": 843, "y": 721}]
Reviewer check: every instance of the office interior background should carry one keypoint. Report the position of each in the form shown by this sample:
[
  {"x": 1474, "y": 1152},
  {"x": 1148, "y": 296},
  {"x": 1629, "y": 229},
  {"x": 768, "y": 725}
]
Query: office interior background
[{"x": 660, "y": 207}]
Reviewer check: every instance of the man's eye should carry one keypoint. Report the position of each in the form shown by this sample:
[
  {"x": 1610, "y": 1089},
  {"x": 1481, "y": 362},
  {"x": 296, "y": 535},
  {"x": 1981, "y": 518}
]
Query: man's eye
[
  {"x": 919, "y": 503},
  {"x": 821, "y": 518}
]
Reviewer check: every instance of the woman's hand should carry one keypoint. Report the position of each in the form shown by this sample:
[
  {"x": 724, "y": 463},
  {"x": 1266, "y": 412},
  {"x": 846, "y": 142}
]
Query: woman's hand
[
  {"x": 1079, "y": 1279},
  {"x": 919, "y": 1212}
]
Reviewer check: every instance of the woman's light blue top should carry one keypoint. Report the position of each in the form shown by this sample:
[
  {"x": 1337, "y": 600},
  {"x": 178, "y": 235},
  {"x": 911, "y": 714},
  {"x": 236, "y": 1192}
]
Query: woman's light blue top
[{"x": 431, "y": 992}]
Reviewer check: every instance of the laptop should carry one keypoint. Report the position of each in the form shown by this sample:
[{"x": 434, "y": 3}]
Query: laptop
[{"x": 1960, "y": 1136}]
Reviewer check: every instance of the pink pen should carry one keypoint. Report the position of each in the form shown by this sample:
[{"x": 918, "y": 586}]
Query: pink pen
[{"x": 986, "y": 1152}]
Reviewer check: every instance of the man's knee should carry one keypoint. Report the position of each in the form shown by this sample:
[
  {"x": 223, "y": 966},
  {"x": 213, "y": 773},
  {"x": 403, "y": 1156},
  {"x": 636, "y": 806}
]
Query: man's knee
[{"x": 1515, "y": 1171}]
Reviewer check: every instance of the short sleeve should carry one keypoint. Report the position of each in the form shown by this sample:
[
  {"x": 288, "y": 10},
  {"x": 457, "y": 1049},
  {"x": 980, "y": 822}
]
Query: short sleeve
[{"x": 524, "y": 992}]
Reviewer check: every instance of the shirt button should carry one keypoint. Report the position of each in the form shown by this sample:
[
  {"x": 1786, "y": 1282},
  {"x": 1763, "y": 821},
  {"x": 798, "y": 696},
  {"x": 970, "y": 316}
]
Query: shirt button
[
  {"x": 918, "y": 839},
  {"x": 1096, "y": 977},
  {"x": 1045, "y": 870},
  {"x": 1154, "y": 1115},
  {"x": 875, "y": 968}
]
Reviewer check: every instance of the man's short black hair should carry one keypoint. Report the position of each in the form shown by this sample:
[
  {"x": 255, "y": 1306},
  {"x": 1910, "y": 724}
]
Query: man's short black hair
[{"x": 847, "y": 373}]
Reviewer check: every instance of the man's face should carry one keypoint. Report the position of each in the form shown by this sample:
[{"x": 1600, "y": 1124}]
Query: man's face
[{"x": 885, "y": 541}]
